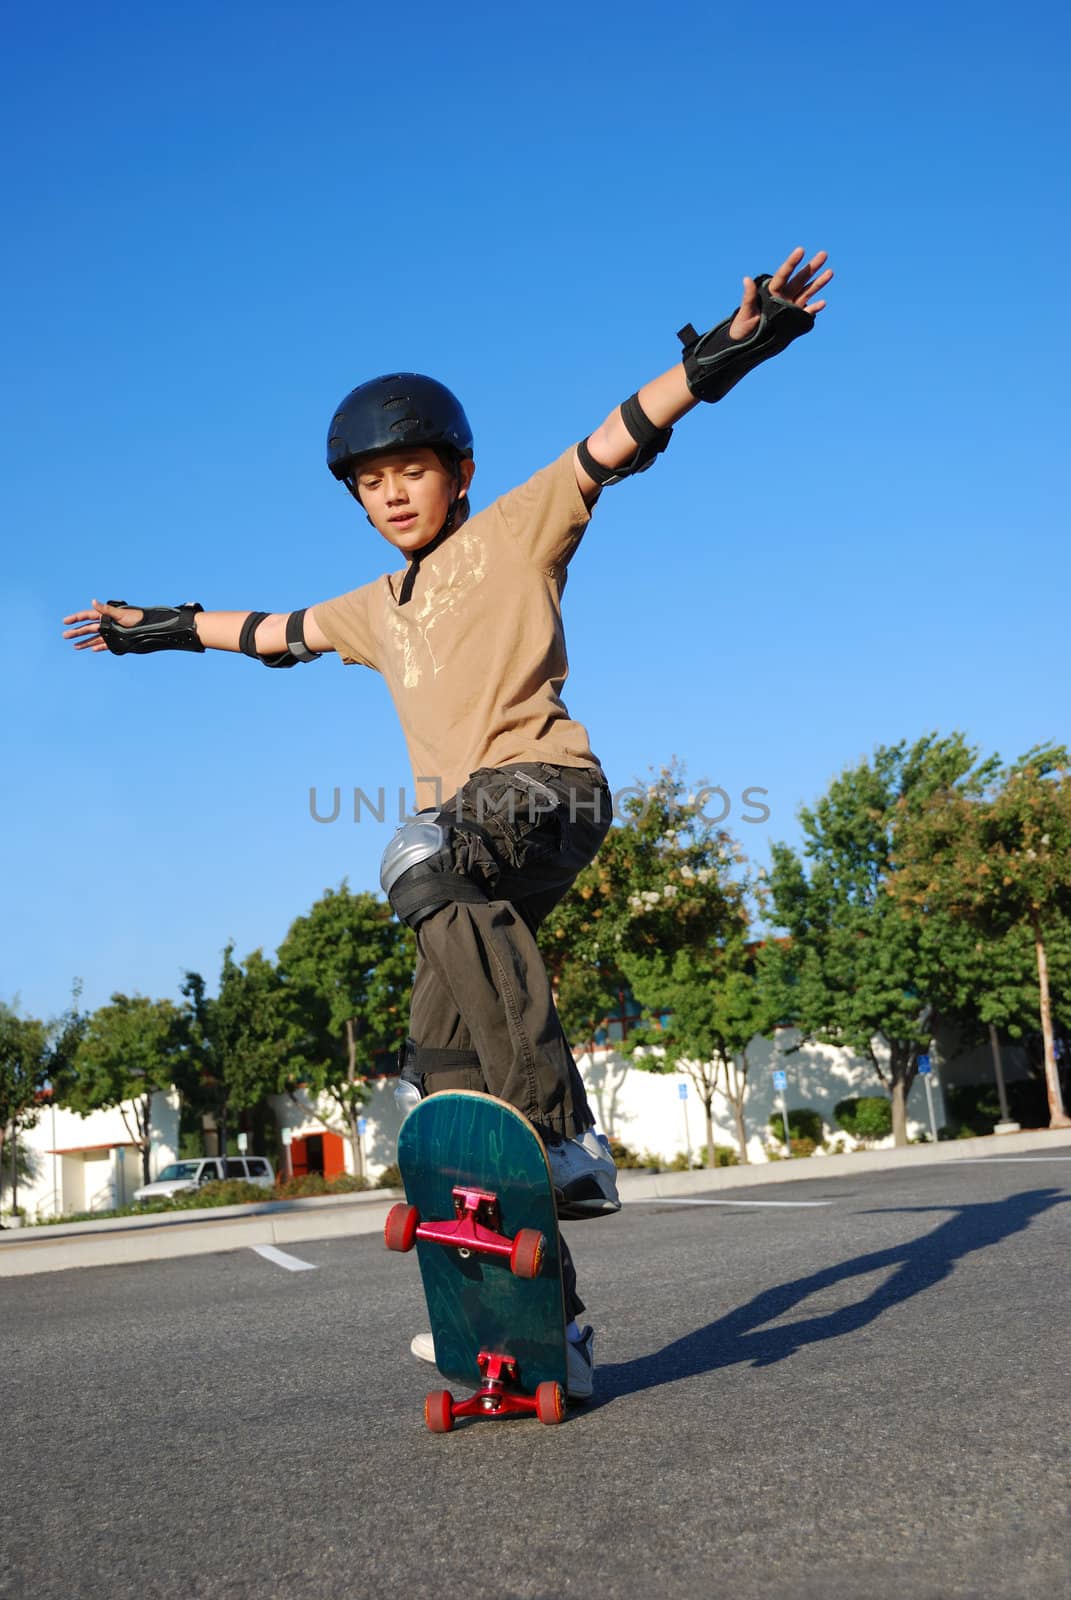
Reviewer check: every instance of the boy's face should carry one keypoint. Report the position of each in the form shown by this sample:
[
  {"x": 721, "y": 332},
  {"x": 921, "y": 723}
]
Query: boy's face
[{"x": 407, "y": 495}]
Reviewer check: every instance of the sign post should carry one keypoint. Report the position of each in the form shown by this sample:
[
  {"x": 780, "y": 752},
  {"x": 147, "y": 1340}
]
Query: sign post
[
  {"x": 287, "y": 1138},
  {"x": 682, "y": 1091},
  {"x": 926, "y": 1074},
  {"x": 780, "y": 1083}
]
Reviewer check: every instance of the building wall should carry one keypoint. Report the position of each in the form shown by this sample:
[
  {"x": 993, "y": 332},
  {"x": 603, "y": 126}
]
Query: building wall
[
  {"x": 645, "y": 1112},
  {"x": 97, "y": 1169}
]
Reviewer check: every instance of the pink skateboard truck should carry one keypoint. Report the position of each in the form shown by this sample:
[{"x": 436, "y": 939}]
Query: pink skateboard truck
[
  {"x": 475, "y": 1229},
  {"x": 498, "y": 1396}
]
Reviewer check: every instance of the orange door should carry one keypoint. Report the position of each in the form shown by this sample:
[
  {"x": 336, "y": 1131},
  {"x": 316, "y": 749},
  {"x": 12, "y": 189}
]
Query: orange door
[
  {"x": 324, "y": 1153},
  {"x": 334, "y": 1155}
]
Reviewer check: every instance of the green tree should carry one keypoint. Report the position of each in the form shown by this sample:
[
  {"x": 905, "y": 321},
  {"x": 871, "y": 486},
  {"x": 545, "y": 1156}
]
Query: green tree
[
  {"x": 999, "y": 860},
  {"x": 991, "y": 987},
  {"x": 345, "y": 971},
  {"x": 663, "y": 911},
  {"x": 863, "y": 975},
  {"x": 130, "y": 1050},
  {"x": 662, "y": 882},
  {"x": 718, "y": 1001},
  {"x": 34, "y": 1056},
  {"x": 234, "y": 1043}
]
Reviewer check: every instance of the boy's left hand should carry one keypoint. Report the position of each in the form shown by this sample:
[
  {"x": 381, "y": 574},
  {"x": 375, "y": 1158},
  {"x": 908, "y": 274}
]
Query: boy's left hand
[{"x": 791, "y": 282}]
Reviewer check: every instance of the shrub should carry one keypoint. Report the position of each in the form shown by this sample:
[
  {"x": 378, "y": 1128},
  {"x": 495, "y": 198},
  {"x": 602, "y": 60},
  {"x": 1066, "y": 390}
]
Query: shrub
[
  {"x": 308, "y": 1183},
  {"x": 803, "y": 1147},
  {"x": 627, "y": 1160},
  {"x": 681, "y": 1163},
  {"x": 141, "y": 1210},
  {"x": 803, "y": 1123},
  {"x": 229, "y": 1192},
  {"x": 726, "y": 1155},
  {"x": 347, "y": 1183},
  {"x": 866, "y": 1116},
  {"x": 798, "y": 1148},
  {"x": 313, "y": 1183},
  {"x": 390, "y": 1177}
]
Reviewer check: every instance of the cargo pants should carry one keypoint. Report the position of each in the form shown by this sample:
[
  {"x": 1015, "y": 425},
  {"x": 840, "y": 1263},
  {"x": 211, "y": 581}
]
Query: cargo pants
[{"x": 482, "y": 1015}]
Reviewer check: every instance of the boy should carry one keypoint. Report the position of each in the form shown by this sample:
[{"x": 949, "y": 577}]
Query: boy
[{"x": 469, "y": 637}]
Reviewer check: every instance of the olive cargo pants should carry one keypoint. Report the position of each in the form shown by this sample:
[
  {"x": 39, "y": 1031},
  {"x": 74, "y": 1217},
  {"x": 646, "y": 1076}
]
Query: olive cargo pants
[{"x": 482, "y": 1013}]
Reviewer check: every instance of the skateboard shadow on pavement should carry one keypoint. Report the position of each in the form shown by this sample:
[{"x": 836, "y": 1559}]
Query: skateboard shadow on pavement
[{"x": 742, "y": 1334}]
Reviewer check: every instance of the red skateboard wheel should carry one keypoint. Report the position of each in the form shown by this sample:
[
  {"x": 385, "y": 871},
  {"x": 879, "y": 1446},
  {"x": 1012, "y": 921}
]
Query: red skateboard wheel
[
  {"x": 399, "y": 1230},
  {"x": 550, "y": 1403},
  {"x": 526, "y": 1257},
  {"x": 439, "y": 1411}
]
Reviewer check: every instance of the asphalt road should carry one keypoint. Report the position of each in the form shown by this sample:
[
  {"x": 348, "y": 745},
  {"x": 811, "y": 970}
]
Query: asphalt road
[{"x": 864, "y": 1398}]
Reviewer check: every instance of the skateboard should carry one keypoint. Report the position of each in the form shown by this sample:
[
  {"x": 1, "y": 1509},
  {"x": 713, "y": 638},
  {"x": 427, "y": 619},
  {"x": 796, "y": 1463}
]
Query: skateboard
[{"x": 481, "y": 1214}]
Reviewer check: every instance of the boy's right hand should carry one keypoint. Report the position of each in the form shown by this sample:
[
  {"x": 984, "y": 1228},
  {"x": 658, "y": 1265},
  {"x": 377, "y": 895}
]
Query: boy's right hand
[{"x": 87, "y": 636}]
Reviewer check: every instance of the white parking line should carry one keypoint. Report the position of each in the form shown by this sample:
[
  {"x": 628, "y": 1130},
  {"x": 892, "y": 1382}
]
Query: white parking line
[
  {"x": 988, "y": 1161},
  {"x": 668, "y": 1200},
  {"x": 281, "y": 1259}
]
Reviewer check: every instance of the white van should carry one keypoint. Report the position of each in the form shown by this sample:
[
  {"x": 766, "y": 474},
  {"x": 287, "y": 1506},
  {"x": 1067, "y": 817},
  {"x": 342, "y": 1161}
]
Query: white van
[{"x": 178, "y": 1176}]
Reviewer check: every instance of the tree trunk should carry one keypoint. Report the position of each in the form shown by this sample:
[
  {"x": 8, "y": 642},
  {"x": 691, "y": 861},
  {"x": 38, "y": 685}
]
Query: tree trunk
[
  {"x": 355, "y": 1143},
  {"x": 737, "y": 1102},
  {"x": 351, "y": 1110},
  {"x": 899, "y": 1088},
  {"x": 144, "y": 1134},
  {"x": 15, "y": 1166},
  {"x": 998, "y": 1073},
  {"x": 708, "y": 1107},
  {"x": 1058, "y": 1117}
]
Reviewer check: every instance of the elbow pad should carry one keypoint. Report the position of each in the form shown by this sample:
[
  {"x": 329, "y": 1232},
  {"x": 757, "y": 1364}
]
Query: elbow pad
[
  {"x": 650, "y": 442},
  {"x": 160, "y": 628},
  {"x": 714, "y": 363},
  {"x": 296, "y": 648}
]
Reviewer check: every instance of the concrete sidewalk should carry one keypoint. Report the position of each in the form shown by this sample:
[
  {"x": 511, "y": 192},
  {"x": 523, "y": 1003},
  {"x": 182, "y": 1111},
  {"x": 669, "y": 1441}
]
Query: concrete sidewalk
[{"x": 118, "y": 1240}]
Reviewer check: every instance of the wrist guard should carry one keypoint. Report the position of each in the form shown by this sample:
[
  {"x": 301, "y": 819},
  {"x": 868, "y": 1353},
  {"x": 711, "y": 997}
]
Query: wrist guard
[
  {"x": 296, "y": 648},
  {"x": 160, "y": 628},
  {"x": 714, "y": 363},
  {"x": 650, "y": 442}
]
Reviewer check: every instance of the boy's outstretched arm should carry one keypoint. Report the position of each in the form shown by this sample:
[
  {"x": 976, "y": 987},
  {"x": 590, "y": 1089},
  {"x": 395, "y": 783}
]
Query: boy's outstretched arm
[
  {"x": 191, "y": 628},
  {"x": 710, "y": 364}
]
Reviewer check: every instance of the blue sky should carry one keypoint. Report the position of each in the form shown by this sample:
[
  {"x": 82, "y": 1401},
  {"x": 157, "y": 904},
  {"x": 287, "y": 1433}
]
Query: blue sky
[{"x": 221, "y": 218}]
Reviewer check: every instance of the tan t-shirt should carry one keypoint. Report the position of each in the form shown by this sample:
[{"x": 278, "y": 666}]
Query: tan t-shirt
[{"x": 475, "y": 659}]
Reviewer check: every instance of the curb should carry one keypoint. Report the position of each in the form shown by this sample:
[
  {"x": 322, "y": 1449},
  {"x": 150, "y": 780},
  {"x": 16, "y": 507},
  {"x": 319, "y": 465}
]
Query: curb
[
  {"x": 638, "y": 1186},
  {"x": 172, "y": 1219},
  {"x": 120, "y": 1240},
  {"x": 116, "y": 1241}
]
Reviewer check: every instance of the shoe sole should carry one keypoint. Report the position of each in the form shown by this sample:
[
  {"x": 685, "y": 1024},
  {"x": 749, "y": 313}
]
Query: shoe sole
[{"x": 583, "y": 1210}]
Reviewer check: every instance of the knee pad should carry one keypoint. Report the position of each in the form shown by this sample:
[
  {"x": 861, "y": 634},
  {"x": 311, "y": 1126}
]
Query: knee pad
[{"x": 418, "y": 873}]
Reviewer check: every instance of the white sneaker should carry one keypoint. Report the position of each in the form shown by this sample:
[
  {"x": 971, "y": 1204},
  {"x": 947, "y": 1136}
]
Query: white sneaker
[
  {"x": 423, "y": 1347},
  {"x": 580, "y": 1361},
  {"x": 585, "y": 1176},
  {"x": 580, "y": 1370}
]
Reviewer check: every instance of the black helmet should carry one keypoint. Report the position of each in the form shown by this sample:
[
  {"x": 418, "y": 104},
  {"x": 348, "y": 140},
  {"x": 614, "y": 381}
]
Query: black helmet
[{"x": 389, "y": 413}]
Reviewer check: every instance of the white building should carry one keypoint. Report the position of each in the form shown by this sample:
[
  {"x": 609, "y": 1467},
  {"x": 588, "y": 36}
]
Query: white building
[
  {"x": 646, "y": 1111},
  {"x": 92, "y": 1164},
  {"x": 70, "y": 1163}
]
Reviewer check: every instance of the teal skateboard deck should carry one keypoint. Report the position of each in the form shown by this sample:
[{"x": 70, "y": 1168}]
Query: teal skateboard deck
[{"x": 479, "y": 1199}]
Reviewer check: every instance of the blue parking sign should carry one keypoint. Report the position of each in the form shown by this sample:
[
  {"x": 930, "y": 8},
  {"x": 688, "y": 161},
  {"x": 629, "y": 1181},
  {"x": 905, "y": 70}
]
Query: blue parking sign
[
  {"x": 924, "y": 1066},
  {"x": 362, "y": 1127},
  {"x": 780, "y": 1081},
  {"x": 682, "y": 1090}
]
